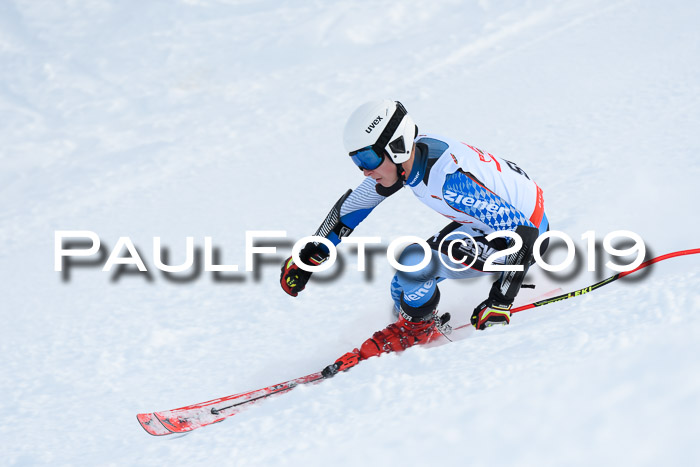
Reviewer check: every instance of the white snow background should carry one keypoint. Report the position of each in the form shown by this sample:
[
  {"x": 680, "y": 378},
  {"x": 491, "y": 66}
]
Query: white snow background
[{"x": 209, "y": 118}]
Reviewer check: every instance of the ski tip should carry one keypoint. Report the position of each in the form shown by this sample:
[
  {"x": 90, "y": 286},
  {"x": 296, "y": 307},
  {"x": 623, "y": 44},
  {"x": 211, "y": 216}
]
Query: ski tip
[{"x": 152, "y": 425}]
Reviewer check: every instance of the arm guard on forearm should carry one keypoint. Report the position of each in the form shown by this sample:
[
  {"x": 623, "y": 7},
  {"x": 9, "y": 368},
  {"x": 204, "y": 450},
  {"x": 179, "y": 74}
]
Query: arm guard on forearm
[
  {"x": 332, "y": 224},
  {"x": 505, "y": 289}
]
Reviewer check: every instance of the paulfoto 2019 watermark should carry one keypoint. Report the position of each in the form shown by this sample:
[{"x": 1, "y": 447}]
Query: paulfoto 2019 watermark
[{"x": 70, "y": 244}]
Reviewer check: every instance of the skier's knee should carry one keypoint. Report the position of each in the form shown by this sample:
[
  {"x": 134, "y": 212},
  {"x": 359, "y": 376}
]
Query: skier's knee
[{"x": 413, "y": 255}]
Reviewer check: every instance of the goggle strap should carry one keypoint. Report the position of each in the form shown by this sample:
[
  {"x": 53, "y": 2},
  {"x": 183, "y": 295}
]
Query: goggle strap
[{"x": 391, "y": 127}]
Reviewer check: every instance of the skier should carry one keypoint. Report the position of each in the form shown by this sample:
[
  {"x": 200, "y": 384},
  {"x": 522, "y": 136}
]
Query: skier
[{"x": 477, "y": 191}]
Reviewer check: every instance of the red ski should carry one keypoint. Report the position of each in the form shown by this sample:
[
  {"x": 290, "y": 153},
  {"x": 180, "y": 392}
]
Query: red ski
[
  {"x": 188, "y": 418},
  {"x": 195, "y": 416}
]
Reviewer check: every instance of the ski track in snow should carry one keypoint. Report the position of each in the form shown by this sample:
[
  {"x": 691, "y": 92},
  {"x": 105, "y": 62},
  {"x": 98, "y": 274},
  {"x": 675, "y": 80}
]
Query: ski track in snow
[{"x": 210, "y": 118}]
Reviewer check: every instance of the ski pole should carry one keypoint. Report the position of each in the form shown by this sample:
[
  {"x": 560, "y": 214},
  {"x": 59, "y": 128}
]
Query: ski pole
[{"x": 610, "y": 279}]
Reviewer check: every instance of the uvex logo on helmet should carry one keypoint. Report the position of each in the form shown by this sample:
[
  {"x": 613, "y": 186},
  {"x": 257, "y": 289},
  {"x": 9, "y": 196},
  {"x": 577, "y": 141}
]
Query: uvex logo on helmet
[{"x": 373, "y": 124}]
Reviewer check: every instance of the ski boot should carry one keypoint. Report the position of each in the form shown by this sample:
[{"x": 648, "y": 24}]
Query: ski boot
[
  {"x": 396, "y": 337},
  {"x": 406, "y": 332}
]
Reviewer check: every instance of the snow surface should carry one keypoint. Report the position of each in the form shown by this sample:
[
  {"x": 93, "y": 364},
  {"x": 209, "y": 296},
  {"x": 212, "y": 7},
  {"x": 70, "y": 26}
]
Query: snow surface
[{"x": 210, "y": 118}]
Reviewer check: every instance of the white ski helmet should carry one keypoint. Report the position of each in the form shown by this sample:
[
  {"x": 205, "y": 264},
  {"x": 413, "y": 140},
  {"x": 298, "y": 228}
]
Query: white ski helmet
[{"x": 377, "y": 127}]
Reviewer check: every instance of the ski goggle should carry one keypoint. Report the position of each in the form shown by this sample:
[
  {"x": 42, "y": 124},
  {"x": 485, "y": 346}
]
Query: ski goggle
[{"x": 367, "y": 158}]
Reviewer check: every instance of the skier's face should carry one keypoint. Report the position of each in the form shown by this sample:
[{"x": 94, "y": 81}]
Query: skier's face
[{"x": 385, "y": 174}]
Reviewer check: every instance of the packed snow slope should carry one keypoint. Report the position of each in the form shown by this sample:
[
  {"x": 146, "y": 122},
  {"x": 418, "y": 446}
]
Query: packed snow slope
[{"x": 212, "y": 118}]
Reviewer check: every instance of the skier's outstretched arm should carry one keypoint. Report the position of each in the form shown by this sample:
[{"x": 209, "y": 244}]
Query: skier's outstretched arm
[{"x": 345, "y": 215}]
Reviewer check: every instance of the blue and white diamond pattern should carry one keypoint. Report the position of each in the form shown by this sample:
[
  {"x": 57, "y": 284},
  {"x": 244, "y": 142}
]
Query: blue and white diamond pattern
[{"x": 466, "y": 195}]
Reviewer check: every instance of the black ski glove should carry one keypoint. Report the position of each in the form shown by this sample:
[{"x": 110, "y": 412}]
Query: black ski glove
[
  {"x": 293, "y": 279},
  {"x": 489, "y": 313}
]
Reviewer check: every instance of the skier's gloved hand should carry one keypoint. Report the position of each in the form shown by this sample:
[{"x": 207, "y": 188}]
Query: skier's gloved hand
[
  {"x": 345, "y": 362},
  {"x": 293, "y": 279},
  {"x": 490, "y": 313}
]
